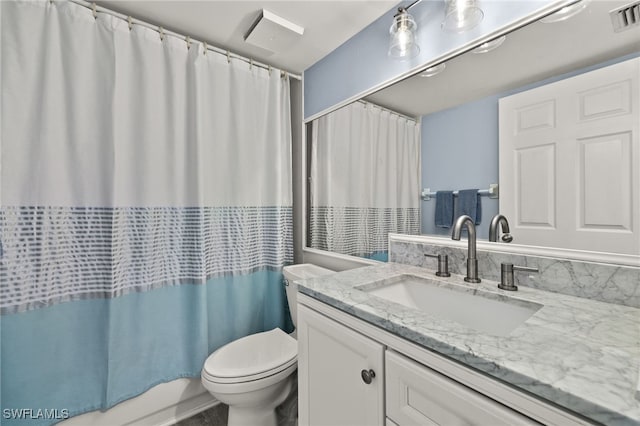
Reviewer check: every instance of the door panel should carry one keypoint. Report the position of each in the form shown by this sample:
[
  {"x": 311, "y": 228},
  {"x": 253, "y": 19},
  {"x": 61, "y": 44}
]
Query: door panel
[
  {"x": 605, "y": 181},
  {"x": 535, "y": 182}
]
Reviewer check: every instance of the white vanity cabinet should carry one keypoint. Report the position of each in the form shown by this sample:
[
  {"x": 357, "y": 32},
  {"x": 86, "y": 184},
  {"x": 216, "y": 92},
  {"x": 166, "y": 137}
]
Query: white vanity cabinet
[
  {"x": 335, "y": 347},
  {"x": 418, "y": 395},
  {"x": 334, "y": 364}
]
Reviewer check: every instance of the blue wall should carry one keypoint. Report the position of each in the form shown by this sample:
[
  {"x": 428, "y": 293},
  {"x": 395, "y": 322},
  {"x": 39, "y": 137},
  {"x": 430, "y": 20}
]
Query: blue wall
[
  {"x": 361, "y": 63},
  {"x": 460, "y": 149}
]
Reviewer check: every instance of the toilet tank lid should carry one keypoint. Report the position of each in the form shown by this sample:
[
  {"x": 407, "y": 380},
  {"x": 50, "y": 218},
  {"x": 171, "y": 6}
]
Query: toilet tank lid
[
  {"x": 253, "y": 354},
  {"x": 305, "y": 270}
]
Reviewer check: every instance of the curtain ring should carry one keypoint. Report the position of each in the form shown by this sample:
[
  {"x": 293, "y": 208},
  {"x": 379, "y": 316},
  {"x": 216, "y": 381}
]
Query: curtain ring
[
  {"x": 228, "y": 57},
  {"x": 130, "y": 21},
  {"x": 269, "y": 70},
  {"x": 188, "y": 40},
  {"x": 94, "y": 10},
  {"x": 251, "y": 63},
  {"x": 205, "y": 47},
  {"x": 161, "y": 32}
]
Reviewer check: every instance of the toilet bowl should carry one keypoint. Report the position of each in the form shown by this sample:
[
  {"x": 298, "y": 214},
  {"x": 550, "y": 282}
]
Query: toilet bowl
[{"x": 253, "y": 375}]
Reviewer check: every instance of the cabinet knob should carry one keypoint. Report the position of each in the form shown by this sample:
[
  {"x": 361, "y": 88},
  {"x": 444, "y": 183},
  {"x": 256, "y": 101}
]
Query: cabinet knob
[{"x": 368, "y": 376}]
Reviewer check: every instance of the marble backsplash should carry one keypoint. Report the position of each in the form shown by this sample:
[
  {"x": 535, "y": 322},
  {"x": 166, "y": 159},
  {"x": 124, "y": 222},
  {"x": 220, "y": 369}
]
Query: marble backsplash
[{"x": 605, "y": 282}]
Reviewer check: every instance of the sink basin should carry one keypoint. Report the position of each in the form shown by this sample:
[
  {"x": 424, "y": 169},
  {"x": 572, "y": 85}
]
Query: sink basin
[{"x": 482, "y": 311}]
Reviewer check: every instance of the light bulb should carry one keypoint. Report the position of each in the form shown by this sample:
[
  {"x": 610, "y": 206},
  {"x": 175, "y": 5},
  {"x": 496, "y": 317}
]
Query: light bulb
[
  {"x": 402, "y": 44},
  {"x": 566, "y": 12},
  {"x": 461, "y": 15}
]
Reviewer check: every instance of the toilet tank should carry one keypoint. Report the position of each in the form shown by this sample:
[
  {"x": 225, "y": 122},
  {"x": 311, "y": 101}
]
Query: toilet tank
[{"x": 299, "y": 272}]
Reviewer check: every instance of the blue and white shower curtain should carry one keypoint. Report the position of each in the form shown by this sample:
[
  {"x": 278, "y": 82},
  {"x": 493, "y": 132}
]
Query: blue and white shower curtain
[
  {"x": 365, "y": 180},
  {"x": 146, "y": 207}
]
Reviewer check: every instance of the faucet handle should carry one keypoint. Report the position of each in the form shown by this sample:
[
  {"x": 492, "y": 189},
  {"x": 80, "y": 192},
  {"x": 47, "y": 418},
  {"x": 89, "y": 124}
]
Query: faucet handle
[
  {"x": 506, "y": 275},
  {"x": 443, "y": 264}
]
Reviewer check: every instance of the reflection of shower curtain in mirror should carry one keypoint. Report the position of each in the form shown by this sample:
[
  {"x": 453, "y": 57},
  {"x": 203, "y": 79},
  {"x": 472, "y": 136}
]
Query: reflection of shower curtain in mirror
[{"x": 365, "y": 179}]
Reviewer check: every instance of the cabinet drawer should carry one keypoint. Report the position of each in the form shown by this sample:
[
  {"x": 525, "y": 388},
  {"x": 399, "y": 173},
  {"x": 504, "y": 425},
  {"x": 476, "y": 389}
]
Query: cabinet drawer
[{"x": 416, "y": 394}]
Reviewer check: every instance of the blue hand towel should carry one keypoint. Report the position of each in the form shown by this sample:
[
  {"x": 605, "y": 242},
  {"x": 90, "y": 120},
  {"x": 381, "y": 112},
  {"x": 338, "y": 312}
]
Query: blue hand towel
[
  {"x": 469, "y": 203},
  {"x": 444, "y": 209}
]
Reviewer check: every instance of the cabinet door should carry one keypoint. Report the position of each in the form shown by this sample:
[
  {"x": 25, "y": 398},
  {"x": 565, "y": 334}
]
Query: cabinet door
[
  {"x": 331, "y": 358},
  {"x": 418, "y": 395}
]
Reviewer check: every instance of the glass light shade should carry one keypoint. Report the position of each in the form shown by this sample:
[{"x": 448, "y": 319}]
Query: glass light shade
[
  {"x": 490, "y": 45},
  {"x": 566, "y": 12},
  {"x": 461, "y": 15},
  {"x": 430, "y": 72},
  {"x": 402, "y": 44}
]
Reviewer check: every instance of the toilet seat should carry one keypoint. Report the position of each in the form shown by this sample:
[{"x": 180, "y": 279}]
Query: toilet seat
[
  {"x": 251, "y": 358},
  {"x": 250, "y": 378}
]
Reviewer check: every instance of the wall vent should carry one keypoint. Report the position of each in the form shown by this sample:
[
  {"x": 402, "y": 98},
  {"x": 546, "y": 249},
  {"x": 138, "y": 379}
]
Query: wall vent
[{"x": 625, "y": 17}]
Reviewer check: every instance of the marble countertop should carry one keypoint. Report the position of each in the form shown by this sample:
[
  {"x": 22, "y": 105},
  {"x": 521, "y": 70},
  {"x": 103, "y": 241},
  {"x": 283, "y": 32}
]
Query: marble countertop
[{"x": 579, "y": 353}]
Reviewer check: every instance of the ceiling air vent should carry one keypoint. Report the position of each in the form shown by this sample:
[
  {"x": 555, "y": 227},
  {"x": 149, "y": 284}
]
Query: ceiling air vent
[
  {"x": 273, "y": 33},
  {"x": 625, "y": 17}
]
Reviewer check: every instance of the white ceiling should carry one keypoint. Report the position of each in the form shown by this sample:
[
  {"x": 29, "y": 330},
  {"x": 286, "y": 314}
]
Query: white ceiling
[
  {"x": 530, "y": 54},
  {"x": 224, "y": 24}
]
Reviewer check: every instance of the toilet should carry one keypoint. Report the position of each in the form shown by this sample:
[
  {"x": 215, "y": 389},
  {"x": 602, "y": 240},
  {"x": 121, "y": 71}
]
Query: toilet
[{"x": 253, "y": 375}]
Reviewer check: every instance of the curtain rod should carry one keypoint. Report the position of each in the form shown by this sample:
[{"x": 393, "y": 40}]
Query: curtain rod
[
  {"x": 163, "y": 32},
  {"x": 415, "y": 119}
]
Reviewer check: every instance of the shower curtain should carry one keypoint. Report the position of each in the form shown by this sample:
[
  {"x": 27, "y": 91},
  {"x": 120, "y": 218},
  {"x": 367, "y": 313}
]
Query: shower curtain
[
  {"x": 365, "y": 180},
  {"x": 146, "y": 208}
]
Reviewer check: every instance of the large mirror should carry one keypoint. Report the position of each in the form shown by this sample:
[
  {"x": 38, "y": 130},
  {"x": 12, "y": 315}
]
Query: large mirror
[{"x": 439, "y": 132}]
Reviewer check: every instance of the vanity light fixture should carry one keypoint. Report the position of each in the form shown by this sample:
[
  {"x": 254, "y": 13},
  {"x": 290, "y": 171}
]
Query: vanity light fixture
[
  {"x": 490, "y": 45},
  {"x": 431, "y": 71},
  {"x": 461, "y": 15},
  {"x": 402, "y": 44},
  {"x": 566, "y": 12}
]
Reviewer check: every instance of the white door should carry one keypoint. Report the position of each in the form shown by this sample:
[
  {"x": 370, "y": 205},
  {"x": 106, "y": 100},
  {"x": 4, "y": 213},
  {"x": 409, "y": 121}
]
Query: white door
[
  {"x": 570, "y": 162},
  {"x": 331, "y": 389}
]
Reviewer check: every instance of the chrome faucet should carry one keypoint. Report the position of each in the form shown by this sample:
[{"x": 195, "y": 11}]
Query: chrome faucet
[
  {"x": 493, "y": 229},
  {"x": 472, "y": 261},
  {"x": 506, "y": 275}
]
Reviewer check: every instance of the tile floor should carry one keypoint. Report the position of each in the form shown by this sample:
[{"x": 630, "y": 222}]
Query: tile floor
[{"x": 287, "y": 412}]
